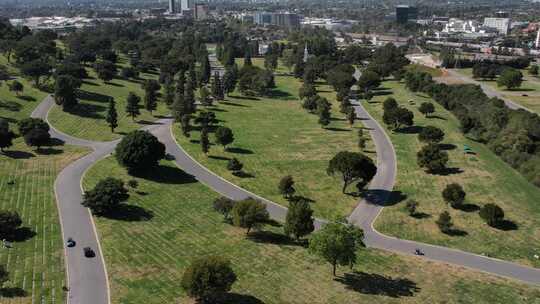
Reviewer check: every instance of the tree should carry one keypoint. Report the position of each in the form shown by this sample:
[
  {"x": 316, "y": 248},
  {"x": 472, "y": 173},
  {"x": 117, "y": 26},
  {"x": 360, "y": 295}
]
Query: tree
[
  {"x": 247, "y": 58},
  {"x": 426, "y": 108},
  {"x": 270, "y": 61},
  {"x": 112, "y": 115},
  {"x": 4, "y": 276},
  {"x": 179, "y": 108},
  {"x": 368, "y": 81},
  {"x": 224, "y": 206},
  {"x": 65, "y": 91},
  {"x": 150, "y": 100},
  {"x": 139, "y": 151},
  {"x": 411, "y": 207},
  {"x": 510, "y": 78},
  {"x": 323, "y": 111},
  {"x": 28, "y": 124},
  {"x": 10, "y": 221},
  {"x": 362, "y": 143},
  {"x": 337, "y": 243},
  {"x": 204, "y": 97},
  {"x": 224, "y": 136},
  {"x": 37, "y": 138},
  {"x": 445, "y": 222},
  {"x": 398, "y": 117},
  {"x": 16, "y": 87},
  {"x": 432, "y": 158},
  {"x": 431, "y": 135},
  {"x": 204, "y": 71},
  {"x": 132, "y": 106},
  {"x": 217, "y": 87},
  {"x": 189, "y": 97},
  {"x": 206, "y": 119},
  {"x": 208, "y": 279},
  {"x": 389, "y": 104},
  {"x": 351, "y": 116},
  {"x": 299, "y": 219},
  {"x": 492, "y": 214},
  {"x": 6, "y": 135},
  {"x": 234, "y": 165},
  {"x": 205, "y": 142},
  {"x": 105, "y": 196},
  {"x": 105, "y": 70},
  {"x": 454, "y": 195},
  {"x": 230, "y": 79},
  {"x": 185, "y": 125},
  {"x": 286, "y": 186},
  {"x": 129, "y": 72},
  {"x": 307, "y": 90},
  {"x": 288, "y": 58},
  {"x": 133, "y": 183},
  {"x": 352, "y": 166},
  {"x": 35, "y": 70},
  {"x": 169, "y": 92},
  {"x": 533, "y": 70},
  {"x": 249, "y": 214}
]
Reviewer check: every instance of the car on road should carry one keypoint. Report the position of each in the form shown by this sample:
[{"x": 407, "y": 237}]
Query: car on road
[
  {"x": 71, "y": 243},
  {"x": 89, "y": 252},
  {"x": 418, "y": 252}
]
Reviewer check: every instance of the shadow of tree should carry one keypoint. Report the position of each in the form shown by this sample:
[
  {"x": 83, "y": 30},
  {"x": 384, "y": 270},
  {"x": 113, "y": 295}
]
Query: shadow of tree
[
  {"x": 92, "y": 96},
  {"x": 49, "y": 151},
  {"x": 228, "y": 103},
  {"x": 21, "y": 234},
  {"x": 11, "y": 106},
  {"x": 410, "y": 130},
  {"x": 129, "y": 213},
  {"x": 26, "y": 98},
  {"x": 455, "y": 232},
  {"x": 446, "y": 171},
  {"x": 282, "y": 95},
  {"x": 338, "y": 129},
  {"x": 468, "y": 207},
  {"x": 19, "y": 154},
  {"x": 243, "y": 174},
  {"x": 218, "y": 157},
  {"x": 447, "y": 147},
  {"x": 436, "y": 117},
  {"x": 376, "y": 284},
  {"x": 269, "y": 237},
  {"x": 506, "y": 225},
  {"x": 241, "y": 97},
  {"x": 236, "y": 298},
  {"x": 383, "y": 197},
  {"x": 87, "y": 110},
  {"x": 421, "y": 215},
  {"x": 12, "y": 292},
  {"x": 166, "y": 175},
  {"x": 238, "y": 150}
]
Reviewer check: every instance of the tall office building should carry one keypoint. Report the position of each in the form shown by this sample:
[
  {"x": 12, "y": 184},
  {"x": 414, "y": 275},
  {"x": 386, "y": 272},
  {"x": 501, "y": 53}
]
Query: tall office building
[
  {"x": 187, "y": 6},
  {"x": 501, "y": 24},
  {"x": 172, "y": 8},
  {"x": 405, "y": 13}
]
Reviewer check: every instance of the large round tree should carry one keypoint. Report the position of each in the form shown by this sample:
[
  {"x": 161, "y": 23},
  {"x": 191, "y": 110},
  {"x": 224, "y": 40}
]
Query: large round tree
[
  {"x": 352, "y": 166},
  {"x": 139, "y": 151}
]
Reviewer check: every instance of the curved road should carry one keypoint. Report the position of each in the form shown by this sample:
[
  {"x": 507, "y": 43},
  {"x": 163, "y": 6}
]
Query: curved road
[{"x": 87, "y": 278}]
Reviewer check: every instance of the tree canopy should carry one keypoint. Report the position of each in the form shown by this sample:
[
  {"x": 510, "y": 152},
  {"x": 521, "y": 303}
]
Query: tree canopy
[{"x": 352, "y": 166}]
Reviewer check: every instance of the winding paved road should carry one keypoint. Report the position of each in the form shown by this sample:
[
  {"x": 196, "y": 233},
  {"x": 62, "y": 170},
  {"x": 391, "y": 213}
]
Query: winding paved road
[{"x": 87, "y": 278}]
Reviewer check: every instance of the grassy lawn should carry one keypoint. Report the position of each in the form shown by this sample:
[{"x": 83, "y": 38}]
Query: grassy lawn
[
  {"x": 146, "y": 259},
  {"x": 275, "y": 137},
  {"x": 87, "y": 120},
  {"x": 485, "y": 178},
  {"x": 530, "y": 87},
  {"x": 35, "y": 262},
  {"x": 422, "y": 68}
]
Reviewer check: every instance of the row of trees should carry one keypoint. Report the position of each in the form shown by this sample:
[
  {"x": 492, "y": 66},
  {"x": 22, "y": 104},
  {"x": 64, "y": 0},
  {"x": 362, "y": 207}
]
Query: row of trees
[
  {"x": 35, "y": 132},
  {"x": 514, "y": 135}
]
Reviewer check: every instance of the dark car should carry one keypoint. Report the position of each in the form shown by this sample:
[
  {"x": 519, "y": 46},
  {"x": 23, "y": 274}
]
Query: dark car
[
  {"x": 71, "y": 243},
  {"x": 88, "y": 252},
  {"x": 418, "y": 252}
]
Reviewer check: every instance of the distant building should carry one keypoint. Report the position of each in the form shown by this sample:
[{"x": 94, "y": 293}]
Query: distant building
[
  {"x": 289, "y": 20},
  {"x": 201, "y": 11},
  {"x": 172, "y": 6},
  {"x": 263, "y": 18},
  {"x": 186, "y": 6},
  {"x": 501, "y": 24},
  {"x": 406, "y": 13}
]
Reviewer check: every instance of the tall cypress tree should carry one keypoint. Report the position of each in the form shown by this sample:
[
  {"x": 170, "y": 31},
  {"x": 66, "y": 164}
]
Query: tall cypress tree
[
  {"x": 169, "y": 92},
  {"x": 150, "y": 100},
  {"x": 132, "y": 107},
  {"x": 112, "y": 115},
  {"x": 189, "y": 97},
  {"x": 230, "y": 79},
  {"x": 217, "y": 87},
  {"x": 205, "y": 142},
  {"x": 181, "y": 82},
  {"x": 247, "y": 58},
  {"x": 204, "y": 71},
  {"x": 178, "y": 108}
]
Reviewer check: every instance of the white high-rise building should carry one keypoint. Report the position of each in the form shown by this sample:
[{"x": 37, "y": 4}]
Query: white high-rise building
[
  {"x": 187, "y": 5},
  {"x": 172, "y": 8},
  {"x": 501, "y": 24},
  {"x": 537, "y": 44}
]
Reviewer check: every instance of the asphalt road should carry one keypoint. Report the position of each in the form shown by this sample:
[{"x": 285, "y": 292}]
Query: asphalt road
[{"x": 87, "y": 278}]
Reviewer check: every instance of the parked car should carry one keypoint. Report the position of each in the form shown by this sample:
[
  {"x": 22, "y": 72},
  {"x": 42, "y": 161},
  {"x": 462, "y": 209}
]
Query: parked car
[
  {"x": 71, "y": 242},
  {"x": 88, "y": 252}
]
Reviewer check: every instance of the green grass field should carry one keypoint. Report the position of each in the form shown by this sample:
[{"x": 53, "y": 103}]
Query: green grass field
[
  {"x": 87, "y": 120},
  {"x": 485, "y": 178},
  {"x": 275, "y": 137},
  {"x": 35, "y": 263},
  {"x": 146, "y": 259},
  {"x": 530, "y": 87}
]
